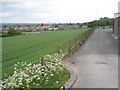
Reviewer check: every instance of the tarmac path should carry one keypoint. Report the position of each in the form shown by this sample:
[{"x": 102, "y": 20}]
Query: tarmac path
[{"x": 96, "y": 62}]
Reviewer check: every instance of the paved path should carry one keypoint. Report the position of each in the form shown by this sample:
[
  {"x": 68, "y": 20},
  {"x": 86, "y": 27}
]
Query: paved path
[{"x": 96, "y": 63}]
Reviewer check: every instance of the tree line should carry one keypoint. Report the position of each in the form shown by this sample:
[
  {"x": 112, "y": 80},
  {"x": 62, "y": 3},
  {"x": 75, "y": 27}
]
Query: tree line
[
  {"x": 11, "y": 32},
  {"x": 102, "y": 22}
]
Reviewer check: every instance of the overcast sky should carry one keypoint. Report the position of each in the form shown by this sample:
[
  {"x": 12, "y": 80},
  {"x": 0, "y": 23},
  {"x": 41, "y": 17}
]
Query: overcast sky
[{"x": 56, "y": 11}]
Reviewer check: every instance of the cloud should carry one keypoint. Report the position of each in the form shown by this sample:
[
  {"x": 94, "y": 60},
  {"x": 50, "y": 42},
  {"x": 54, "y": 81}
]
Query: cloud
[
  {"x": 56, "y": 10},
  {"x": 7, "y": 14}
]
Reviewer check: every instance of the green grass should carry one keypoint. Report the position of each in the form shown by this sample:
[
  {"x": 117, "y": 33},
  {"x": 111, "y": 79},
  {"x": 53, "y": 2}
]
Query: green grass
[
  {"x": 31, "y": 32},
  {"x": 61, "y": 78},
  {"x": 30, "y": 48}
]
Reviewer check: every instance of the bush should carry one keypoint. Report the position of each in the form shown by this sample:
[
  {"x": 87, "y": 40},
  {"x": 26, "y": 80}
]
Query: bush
[
  {"x": 36, "y": 75},
  {"x": 13, "y": 32},
  {"x": 4, "y": 34}
]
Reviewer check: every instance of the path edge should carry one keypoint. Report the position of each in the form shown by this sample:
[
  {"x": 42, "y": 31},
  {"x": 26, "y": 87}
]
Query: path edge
[{"x": 71, "y": 81}]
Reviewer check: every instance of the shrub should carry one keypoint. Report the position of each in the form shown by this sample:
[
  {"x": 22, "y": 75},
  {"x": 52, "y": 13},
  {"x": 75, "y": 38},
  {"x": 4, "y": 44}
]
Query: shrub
[
  {"x": 35, "y": 75},
  {"x": 13, "y": 32},
  {"x": 4, "y": 34}
]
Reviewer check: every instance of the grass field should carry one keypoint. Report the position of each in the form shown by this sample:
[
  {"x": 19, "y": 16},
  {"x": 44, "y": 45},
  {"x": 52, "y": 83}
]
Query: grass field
[{"x": 30, "y": 48}]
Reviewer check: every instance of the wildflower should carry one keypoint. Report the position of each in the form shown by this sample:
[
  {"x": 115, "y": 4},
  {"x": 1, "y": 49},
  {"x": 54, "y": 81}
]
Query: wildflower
[
  {"x": 15, "y": 72},
  {"x": 42, "y": 70},
  {"x": 29, "y": 64},
  {"x": 27, "y": 81},
  {"x": 38, "y": 78},
  {"x": 31, "y": 74},
  {"x": 57, "y": 82},
  {"x": 15, "y": 68},
  {"x": 27, "y": 86},
  {"x": 33, "y": 83},
  {"x": 52, "y": 74},
  {"x": 15, "y": 65},
  {"x": 37, "y": 84},
  {"x": 20, "y": 83}
]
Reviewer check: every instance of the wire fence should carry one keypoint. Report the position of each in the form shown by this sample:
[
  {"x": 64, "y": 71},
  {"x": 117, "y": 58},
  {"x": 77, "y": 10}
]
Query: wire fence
[{"x": 69, "y": 47}]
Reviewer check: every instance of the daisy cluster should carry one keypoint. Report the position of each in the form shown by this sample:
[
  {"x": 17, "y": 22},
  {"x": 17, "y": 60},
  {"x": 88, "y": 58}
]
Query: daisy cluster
[{"x": 34, "y": 75}]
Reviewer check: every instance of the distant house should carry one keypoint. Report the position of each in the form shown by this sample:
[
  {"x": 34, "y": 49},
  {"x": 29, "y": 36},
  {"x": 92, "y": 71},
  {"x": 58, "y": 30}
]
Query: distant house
[
  {"x": 26, "y": 28},
  {"x": 84, "y": 26},
  {"x": 52, "y": 29},
  {"x": 5, "y": 28},
  {"x": 62, "y": 27},
  {"x": 76, "y": 26},
  {"x": 67, "y": 27},
  {"x": 22, "y": 28}
]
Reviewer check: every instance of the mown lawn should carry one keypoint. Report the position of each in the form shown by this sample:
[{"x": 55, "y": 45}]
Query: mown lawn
[{"x": 30, "y": 48}]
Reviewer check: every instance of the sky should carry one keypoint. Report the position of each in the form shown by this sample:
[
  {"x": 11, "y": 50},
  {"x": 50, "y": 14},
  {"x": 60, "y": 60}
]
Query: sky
[{"x": 56, "y": 11}]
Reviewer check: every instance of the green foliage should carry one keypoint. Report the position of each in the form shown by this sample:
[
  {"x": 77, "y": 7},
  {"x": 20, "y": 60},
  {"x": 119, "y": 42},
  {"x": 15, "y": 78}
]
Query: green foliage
[
  {"x": 4, "y": 34},
  {"x": 42, "y": 24},
  {"x": 13, "y": 32},
  {"x": 10, "y": 32},
  {"x": 93, "y": 23},
  {"x": 101, "y": 22},
  {"x": 29, "y": 48},
  {"x": 54, "y": 25},
  {"x": 39, "y": 75},
  {"x": 105, "y": 21}
]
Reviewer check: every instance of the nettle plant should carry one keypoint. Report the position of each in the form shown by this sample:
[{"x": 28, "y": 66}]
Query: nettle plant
[{"x": 34, "y": 75}]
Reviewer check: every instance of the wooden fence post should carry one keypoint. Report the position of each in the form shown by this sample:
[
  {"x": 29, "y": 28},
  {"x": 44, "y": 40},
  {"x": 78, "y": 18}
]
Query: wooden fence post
[
  {"x": 69, "y": 48},
  {"x": 87, "y": 34},
  {"x": 59, "y": 49},
  {"x": 83, "y": 37},
  {"x": 76, "y": 43},
  {"x": 42, "y": 61},
  {"x": 80, "y": 37}
]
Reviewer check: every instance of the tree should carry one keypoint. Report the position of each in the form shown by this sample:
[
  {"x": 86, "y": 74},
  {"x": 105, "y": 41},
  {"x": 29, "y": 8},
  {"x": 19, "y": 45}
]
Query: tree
[
  {"x": 54, "y": 25},
  {"x": 78, "y": 23},
  {"x": 42, "y": 24},
  {"x": 106, "y": 21},
  {"x": 13, "y": 32},
  {"x": 101, "y": 22},
  {"x": 4, "y": 34},
  {"x": 38, "y": 25},
  {"x": 70, "y": 23}
]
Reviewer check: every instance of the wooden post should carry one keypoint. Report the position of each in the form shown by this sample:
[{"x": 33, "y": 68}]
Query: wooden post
[
  {"x": 59, "y": 49},
  {"x": 85, "y": 35},
  {"x": 42, "y": 61},
  {"x": 80, "y": 40},
  {"x": 69, "y": 48},
  {"x": 76, "y": 43}
]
